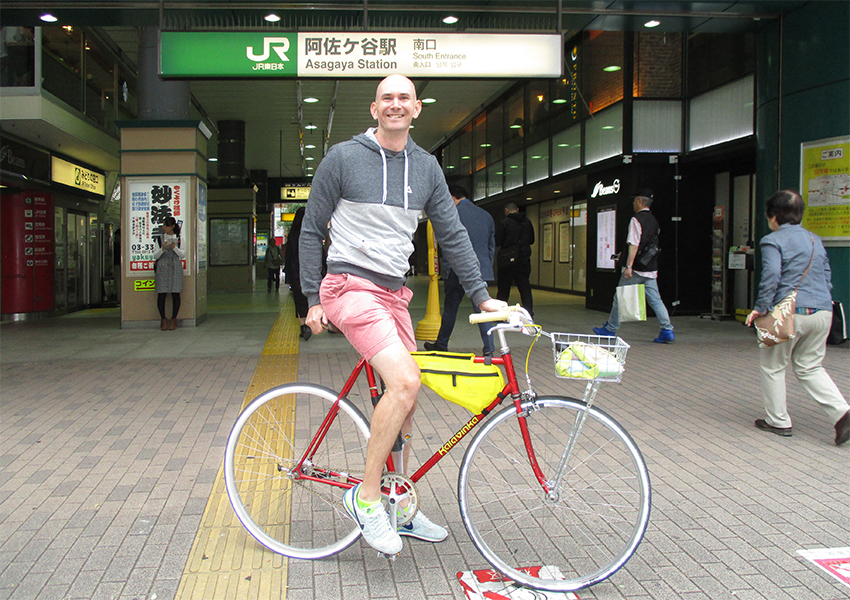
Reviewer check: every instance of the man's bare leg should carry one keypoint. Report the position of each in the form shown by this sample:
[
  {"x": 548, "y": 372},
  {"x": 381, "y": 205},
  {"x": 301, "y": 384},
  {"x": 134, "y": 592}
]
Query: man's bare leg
[{"x": 393, "y": 413}]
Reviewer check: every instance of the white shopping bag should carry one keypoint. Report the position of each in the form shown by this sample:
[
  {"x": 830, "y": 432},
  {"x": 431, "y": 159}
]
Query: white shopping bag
[{"x": 631, "y": 303}]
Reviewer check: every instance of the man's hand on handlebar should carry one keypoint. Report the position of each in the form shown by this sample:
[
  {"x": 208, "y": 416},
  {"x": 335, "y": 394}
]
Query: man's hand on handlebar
[{"x": 493, "y": 305}]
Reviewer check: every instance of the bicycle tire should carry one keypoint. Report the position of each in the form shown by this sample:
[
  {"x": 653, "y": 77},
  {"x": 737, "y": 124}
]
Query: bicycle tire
[
  {"x": 296, "y": 517},
  {"x": 590, "y": 531}
]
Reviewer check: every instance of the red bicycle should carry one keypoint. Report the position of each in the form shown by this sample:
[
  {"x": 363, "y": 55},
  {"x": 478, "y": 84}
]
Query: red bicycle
[{"x": 546, "y": 481}]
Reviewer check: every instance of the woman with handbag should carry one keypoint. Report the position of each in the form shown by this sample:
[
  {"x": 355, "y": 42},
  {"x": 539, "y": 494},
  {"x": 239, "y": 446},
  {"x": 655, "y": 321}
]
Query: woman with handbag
[{"x": 794, "y": 292}]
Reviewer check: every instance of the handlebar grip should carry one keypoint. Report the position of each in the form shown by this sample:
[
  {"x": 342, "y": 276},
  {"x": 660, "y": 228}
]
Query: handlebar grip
[
  {"x": 499, "y": 315},
  {"x": 485, "y": 317}
]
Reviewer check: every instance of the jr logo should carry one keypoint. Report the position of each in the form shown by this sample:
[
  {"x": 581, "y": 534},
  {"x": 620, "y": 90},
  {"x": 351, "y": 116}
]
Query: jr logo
[{"x": 279, "y": 44}]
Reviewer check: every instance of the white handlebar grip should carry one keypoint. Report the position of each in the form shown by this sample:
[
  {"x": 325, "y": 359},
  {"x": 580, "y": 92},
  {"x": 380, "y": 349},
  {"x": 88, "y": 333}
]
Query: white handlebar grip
[{"x": 485, "y": 317}]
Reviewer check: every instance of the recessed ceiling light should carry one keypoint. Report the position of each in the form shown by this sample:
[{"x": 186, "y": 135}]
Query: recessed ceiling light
[
  {"x": 563, "y": 145},
  {"x": 272, "y": 18},
  {"x": 652, "y": 23},
  {"x": 412, "y": 126},
  {"x": 486, "y": 145},
  {"x": 213, "y": 159},
  {"x": 608, "y": 127},
  {"x": 611, "y": 69},
  {"x": 536, "y": 156},
  {"x": 311, "y": 100},
  {"x": 309, "y": 158},
  {"x": 310, "y": 146},
  {"x": 464, "y": 158},
  {"x": 450, "y": 20},
  {"x": 428, "y": 100},
  {"x": 48, "y": 18},
  {"x": 529, "y": 198},
  {"x": 310, "y": 126},
  {"x": 557, "y": 192},
  {"x": 559, "y": 101}
]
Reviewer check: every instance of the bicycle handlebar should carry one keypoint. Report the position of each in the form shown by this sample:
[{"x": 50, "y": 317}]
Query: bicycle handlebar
[{"x": 514, "y": 314}]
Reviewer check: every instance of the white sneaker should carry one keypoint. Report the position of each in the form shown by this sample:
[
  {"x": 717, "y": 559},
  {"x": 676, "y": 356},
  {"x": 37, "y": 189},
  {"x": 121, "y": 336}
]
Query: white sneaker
[
  {"x": 422, "y": 528},
  {"x": 374, "y": 523}
]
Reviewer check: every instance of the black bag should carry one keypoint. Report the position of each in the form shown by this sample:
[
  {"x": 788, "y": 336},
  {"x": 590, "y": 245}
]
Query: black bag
[
  {"x": 508, "y": 256},
  {"x": 645, "y": 260},
  {"x": 838, "y": 331}
]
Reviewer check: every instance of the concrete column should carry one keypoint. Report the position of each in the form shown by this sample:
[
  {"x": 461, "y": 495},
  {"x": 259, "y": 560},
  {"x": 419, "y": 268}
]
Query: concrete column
[{"x": 159, "y": 98}]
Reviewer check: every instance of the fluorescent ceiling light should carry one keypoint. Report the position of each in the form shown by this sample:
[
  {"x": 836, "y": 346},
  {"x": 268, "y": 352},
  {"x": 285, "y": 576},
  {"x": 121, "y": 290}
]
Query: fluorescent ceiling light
[
  {"x": 48, "y": 18},
  {"x": 309, "y": 158},
  {"x": 272, "y": 18},
  {"x": 652, "y": 23},
  {"x": 559, "y": 101},
  {"x": 213, "y": 159},
  {"x": 428, "y": 100},
  {"x": 611, "y": 69},
  {"x": 310, "y": 126},
  {"x": 310, "y": 146},
  {"x": 450, "y": 20},
  {"x": 311, "y": 100}
]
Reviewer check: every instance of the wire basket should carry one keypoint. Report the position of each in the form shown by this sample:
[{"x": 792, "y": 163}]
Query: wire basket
[{"x": 589, "y": 357}]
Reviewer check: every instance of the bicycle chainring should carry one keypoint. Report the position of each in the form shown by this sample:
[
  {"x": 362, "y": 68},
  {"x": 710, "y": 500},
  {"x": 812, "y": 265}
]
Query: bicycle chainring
[{"x": 396, "y": 490}]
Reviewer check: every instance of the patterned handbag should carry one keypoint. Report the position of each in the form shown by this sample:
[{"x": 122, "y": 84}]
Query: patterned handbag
[{"x": 777, "y": 326}]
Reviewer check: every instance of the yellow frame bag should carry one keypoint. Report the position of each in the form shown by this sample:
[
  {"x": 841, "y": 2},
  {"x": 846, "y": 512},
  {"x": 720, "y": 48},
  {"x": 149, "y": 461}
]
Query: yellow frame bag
[{"x": 455, "y": 377}]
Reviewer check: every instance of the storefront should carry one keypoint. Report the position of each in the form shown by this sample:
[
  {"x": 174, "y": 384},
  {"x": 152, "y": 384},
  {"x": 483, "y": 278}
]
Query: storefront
[{"x": 56, "y": 249}]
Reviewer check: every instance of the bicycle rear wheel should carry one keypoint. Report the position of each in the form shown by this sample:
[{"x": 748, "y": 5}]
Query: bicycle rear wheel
[
  {"x": 291, "y": 515},
  {"x": 588, "y": 529}
]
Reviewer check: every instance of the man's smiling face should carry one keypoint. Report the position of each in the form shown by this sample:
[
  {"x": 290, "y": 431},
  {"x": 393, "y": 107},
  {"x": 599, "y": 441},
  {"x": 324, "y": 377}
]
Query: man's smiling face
[{"x": 395, "y": 105}]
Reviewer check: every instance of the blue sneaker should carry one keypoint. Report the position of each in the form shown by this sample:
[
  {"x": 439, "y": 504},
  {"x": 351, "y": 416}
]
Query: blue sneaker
[
  {"x": 604, "y": 331},
  {"x": 665, "y": 337},
  {"x": 422, "y": 528}
]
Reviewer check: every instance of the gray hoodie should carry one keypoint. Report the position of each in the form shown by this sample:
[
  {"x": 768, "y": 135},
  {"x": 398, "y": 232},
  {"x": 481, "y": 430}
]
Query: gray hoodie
[{"x": 372, "y": 198}]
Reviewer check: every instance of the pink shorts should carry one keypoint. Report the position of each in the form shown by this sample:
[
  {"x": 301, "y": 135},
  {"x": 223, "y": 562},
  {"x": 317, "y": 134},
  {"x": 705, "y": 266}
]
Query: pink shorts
[{"x": 370, "y": 316}]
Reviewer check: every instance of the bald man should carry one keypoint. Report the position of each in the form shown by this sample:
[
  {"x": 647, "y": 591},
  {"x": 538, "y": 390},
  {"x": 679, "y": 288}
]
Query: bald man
[{"x": 371, "y": 190}]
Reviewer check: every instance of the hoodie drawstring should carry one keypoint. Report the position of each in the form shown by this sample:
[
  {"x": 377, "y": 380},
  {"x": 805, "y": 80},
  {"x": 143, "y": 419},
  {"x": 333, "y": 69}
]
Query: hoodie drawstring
[{"x": 371, "y": 135}]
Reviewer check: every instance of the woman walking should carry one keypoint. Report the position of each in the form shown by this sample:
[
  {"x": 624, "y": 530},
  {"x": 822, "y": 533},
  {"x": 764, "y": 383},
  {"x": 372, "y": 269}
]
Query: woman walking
[{"x": 793, "y": 257}]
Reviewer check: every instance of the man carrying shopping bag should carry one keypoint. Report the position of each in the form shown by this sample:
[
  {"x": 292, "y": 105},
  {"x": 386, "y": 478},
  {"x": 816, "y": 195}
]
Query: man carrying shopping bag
[{"x": 641, "y": 269}]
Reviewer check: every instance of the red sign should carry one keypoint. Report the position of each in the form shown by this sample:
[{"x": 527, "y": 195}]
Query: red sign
[{"x": 28, "y": 252}]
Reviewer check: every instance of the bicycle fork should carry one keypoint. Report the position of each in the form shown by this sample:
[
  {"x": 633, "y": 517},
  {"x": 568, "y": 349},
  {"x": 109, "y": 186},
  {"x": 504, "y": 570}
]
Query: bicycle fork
[{"x": 589, "y": 396}]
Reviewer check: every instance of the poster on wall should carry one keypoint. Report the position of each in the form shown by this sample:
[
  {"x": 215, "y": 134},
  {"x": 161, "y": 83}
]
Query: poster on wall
[
  {"x": 825, "y": 187},
  {"x": 564, "y": 242},
  {"x": 152, "y": 199},
  {"x": 547, "y": 242},
  {"x": 202, "y": 226},
  {"x": 606, "y": 233},
  {"x": 230, "y": 240}
]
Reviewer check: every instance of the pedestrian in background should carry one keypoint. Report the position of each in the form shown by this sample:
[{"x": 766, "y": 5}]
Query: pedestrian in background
[
  {"x": 482, "y": 233},
  {"x": 515, "y": 237},
  {"x": 273, "y": 262},
  {"x": 168, "y": 271},
  {"x": 793, "y": 257},
  {"x": 641, "y": 268}
]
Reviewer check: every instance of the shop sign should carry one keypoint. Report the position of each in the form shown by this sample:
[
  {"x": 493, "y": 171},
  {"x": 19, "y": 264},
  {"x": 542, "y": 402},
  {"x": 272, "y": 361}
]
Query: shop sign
[
  {"x": 358, "y": 54},
  {"x": 23, "y": 160},
  {"x": 605, "y": 190},
  {"x": 75, "y": 176},
  {"x": 295, "y": 192}
]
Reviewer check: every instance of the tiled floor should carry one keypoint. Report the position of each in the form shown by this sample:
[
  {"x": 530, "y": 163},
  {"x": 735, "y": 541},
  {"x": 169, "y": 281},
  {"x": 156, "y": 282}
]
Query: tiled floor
[{"x": 111, "y": 441}]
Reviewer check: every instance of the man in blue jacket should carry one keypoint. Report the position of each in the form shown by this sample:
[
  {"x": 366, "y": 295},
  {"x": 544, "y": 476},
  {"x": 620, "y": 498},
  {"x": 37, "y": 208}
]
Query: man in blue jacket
[{"x": 482, "y": 233}]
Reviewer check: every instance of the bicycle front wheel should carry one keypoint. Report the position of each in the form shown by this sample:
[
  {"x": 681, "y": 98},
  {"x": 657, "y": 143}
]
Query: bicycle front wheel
[
  {"x": 586, "y": 528},
  {"x": 271, "y": 494}
]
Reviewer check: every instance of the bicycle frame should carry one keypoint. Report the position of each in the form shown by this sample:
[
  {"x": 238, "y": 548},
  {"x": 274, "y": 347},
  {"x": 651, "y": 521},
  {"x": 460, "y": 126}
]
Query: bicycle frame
[{"x": 511, "y": 389}]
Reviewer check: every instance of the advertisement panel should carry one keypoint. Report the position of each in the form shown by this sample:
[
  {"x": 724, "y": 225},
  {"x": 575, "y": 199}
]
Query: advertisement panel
[
  {"x": 151, "y": 200},
  {"x": 358, "y": 54},
  {"x": 28, "y": 252},
  {"x": 825, "y": 186}
]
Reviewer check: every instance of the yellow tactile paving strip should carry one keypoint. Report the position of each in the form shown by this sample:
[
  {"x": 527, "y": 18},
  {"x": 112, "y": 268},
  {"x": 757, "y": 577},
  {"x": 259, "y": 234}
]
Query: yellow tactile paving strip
[{"x": 225, "y": 562}]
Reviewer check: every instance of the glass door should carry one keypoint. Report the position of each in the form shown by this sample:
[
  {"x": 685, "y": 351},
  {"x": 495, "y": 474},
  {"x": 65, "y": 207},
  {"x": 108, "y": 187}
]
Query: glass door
[{"x": 77, "y": 264}]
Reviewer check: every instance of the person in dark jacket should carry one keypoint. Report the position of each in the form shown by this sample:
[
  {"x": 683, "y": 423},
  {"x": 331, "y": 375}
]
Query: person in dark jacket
[
  {"x": 514, "y": 236},
  {"x": 292, "y": 275},
  {"x": 481, "y": 229}
]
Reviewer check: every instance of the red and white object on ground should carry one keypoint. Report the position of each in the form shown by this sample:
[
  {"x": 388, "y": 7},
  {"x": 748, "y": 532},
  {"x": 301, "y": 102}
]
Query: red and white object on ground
[{"x": 490, "y": 585}]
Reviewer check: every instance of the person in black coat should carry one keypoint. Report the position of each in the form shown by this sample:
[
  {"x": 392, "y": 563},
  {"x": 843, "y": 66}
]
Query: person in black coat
[{"x": 514, "y": 236}]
